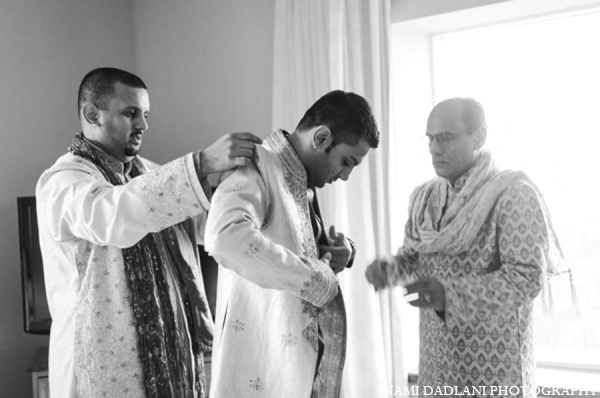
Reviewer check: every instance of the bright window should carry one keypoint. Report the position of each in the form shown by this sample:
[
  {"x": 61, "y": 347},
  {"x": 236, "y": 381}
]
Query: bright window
[{"x": 539, "y": 82}]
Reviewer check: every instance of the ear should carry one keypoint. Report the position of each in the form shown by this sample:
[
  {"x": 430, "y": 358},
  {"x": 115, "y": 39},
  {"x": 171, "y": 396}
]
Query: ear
[
  {"x": 90, "y": 113},
  {"x": 322, "y": 138},
  {"x": 480, "y": 136}
]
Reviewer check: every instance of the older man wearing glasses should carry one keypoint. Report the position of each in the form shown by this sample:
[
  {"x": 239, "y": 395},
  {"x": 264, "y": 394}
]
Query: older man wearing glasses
[{"x": 477, "y": 245}]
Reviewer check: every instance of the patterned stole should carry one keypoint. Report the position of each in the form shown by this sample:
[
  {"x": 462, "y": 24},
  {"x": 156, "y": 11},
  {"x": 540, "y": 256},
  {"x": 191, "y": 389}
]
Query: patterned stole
[
  {"x": 169, "y": 369},
  {"x": 332, "y": 325},
  {"x": 431, "y": 230},
  {"x": 428, "y": 230}
]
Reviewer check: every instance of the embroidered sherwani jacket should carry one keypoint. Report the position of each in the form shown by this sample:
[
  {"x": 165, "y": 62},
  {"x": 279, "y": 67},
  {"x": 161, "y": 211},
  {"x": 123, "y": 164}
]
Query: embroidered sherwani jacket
[
  {"x": 84, "y": 222},
  {"x": 485, "y": 336},
  {"x": 272, "y": 287}
]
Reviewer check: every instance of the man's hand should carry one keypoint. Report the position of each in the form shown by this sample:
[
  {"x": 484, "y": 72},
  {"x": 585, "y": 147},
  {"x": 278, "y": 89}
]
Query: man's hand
[
  {"x": 428, "y": 293},
  {"x": 377, "y": 274},
  {"x": 340, "y": 249},
  {"x": 326, "y": 258},
  {"x": 229, "y": 151}
]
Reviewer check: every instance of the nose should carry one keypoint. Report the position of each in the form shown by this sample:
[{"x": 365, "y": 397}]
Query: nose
[
  {"x": 141, "y": 123},
  {"x": 345, "y": 174},
  {"x": 435, "y": 148}
]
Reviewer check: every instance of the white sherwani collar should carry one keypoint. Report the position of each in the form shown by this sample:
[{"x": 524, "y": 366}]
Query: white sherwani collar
[{"x": 280, "y": 144}]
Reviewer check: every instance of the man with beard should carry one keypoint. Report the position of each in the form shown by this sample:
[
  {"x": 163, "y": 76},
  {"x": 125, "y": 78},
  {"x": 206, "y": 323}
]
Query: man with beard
[{"x": 119, "y": 239}]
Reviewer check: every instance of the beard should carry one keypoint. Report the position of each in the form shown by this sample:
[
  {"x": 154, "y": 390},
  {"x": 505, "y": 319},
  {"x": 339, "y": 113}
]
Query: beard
[{"x": 130, "y": 151}]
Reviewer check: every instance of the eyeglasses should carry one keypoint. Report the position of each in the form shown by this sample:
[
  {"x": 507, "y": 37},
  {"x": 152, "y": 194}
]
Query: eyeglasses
[{"x": 443, "y": 138}]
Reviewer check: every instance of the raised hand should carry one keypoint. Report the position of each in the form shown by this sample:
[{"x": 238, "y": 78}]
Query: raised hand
[
  {"x": 377, "y": 274},
  {"x": 229, "y": 151}
]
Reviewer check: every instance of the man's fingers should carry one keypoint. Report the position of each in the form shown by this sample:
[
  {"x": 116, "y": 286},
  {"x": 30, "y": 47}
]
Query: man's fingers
[
  {"x": 375, "y": 276},
  {"x": 409, "y": 298},
  {"x": 337, "y": 250},
  {"x": 326, "y": 257},
  {"x": 241, "y": 161},
  {"x": 418, "y": 285},
  {"x": 426, "y": 292},
  {"x": 246, "y": 136},
  {"x": 336, "y": 237},
  {"x": 336, "y": 266},
  {"x": 241, "y": 152},
  {"x": 369, "y": 273},
  {"x": 412, "y": 287},
  {"x": 332, "y": 233},
  {"x": 239, "y": 145}
]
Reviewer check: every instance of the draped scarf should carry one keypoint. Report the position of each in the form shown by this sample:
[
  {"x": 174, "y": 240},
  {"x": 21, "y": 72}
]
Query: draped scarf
[
  {"x": 463, "y": 219},
  {"x": 468, "y": 212},
  {"x": 169, "y": 370}
]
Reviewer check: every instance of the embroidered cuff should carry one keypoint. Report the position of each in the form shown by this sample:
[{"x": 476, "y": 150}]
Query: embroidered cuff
[
  {"x": 192, "y": 163},
  {"x": 322, "y": 286}
]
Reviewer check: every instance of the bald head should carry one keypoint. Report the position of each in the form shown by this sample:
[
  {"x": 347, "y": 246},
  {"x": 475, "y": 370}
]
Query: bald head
[
  {"x": 457, "y": 130},
  {"x": 467, "y": 111}
]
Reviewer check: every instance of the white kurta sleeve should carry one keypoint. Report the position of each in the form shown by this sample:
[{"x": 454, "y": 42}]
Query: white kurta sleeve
[
  {"x": 79, "y": 203},
  {"x": 235, "y": 238}
]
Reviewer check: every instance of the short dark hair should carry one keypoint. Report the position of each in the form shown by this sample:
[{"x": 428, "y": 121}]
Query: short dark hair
[
  {"x": 98, "y": 86},
  {"x": 346, "y": 114},
  {"x": 473, "y": 114}
]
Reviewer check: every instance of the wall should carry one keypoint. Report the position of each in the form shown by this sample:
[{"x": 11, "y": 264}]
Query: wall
[
  {"x": 208, "y": 65},
  {"x": 47, "y": 46},
  {"x": 403, "y": 10},
  {"x": 208, "y": 74}
]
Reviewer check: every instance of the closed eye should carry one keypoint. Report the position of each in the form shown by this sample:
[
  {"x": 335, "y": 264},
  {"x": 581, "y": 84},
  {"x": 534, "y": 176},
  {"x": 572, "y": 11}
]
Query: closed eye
[
  {"x": 446, "y": 137},
  {"x": 441, "y": 137}
]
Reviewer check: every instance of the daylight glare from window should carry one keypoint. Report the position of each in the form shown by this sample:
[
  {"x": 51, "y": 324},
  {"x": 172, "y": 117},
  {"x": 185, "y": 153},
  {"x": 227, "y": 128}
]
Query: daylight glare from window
[{"x": 539, "y": 82}]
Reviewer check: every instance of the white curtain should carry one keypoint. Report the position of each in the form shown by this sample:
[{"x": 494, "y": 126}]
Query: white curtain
[{"x": 324, "y": 45}]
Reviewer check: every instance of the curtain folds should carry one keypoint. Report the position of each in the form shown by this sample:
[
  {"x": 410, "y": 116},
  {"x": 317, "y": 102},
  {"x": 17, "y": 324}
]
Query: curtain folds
[{"x": 324, "y": 45}]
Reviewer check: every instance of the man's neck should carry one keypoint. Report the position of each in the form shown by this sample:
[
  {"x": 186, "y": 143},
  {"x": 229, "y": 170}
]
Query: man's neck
[
  {"x": 467, "y": 171},
  {"x": 126, "y": 165},
  {"x": 296, "y": 144}
]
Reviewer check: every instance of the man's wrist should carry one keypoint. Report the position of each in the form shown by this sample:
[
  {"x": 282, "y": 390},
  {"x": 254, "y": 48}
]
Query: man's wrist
[
  {"x": 200, "y": 167},
  {"x": 441, "y": 314},
  {"x": 352, "y": 254}
]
